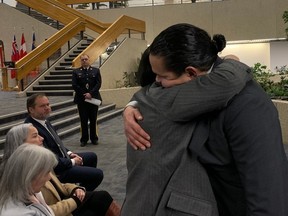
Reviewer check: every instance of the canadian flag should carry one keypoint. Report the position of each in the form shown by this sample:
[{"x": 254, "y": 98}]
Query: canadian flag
[{"x": 23, "y": 51}]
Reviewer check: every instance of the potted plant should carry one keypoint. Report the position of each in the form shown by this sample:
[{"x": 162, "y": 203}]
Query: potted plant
[
  {"x": 285, "y": 18},
  {"x": 275, "y": 89}
]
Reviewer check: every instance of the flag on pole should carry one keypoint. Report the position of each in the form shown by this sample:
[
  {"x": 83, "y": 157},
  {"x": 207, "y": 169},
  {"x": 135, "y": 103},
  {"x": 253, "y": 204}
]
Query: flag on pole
[
  {"x": 33, "y": 41},
  {"x": 34, "y": 73},
  {"x": 14, "y": 56},
  {"x": 23, "y": 50},
  {"x": 15, "y": 51},
  {"x": 2, "y": 56}
]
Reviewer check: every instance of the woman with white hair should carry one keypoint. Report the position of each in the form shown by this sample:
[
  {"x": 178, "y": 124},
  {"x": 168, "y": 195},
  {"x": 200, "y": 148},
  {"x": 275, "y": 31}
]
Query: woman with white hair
[
  {"x": 64, "y": 199},
  {"x": 22, "y": 180}
]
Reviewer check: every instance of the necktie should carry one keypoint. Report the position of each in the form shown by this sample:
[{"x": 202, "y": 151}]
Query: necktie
[{"x": 57, "y": 139}]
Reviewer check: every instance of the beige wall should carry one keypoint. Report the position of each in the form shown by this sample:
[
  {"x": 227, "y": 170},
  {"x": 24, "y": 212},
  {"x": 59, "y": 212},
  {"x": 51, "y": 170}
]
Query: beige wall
[
  {"x": 123, "y": 95},
  {"x": 119, "y": 96},
  {"x": 236, "y": 19},
  {"x": 125, "y": 59},
  {"x": 271, "y": 54},
  {"x": 282, "y": 107},
  {"x": 14, "y": 22}
]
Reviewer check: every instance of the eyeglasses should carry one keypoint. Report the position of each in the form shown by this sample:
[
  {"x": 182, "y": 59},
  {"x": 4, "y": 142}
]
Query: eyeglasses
[{"x": 85, "y": 59}]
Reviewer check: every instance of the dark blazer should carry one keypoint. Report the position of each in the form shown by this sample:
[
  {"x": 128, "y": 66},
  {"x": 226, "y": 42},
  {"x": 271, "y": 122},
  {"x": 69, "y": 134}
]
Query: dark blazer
[
  {"x": 86, "y": 82},
  {"x": 241, "y": 148},
  {"x": 49, "y": 143},
  {"x": 166, "y": 179}
]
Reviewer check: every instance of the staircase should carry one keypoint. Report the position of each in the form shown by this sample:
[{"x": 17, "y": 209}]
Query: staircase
[
  {"x": 64, "y": 118},
  {"x": 38, "y": 16},
  {"x": 57, "y": 80}
]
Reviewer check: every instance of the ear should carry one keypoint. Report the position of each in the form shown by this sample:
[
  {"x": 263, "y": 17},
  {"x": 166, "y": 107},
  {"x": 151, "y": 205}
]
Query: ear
[
  {"x": 30, "y": 109},
  {"x": 192, "y": 71}
]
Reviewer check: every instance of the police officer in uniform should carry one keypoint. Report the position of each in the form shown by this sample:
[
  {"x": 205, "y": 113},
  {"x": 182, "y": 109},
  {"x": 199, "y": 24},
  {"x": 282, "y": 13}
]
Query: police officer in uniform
[{"x": 86, "y": 82}]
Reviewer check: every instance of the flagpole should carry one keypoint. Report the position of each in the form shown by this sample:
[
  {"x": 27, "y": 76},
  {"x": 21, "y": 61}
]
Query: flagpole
[
  {"x": 14, "y": 58},
  {"x": 35, "y": 72}
]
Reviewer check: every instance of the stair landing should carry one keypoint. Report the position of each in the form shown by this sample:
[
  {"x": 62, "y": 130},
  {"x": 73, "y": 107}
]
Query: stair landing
[{"x": 11, "y": 103}]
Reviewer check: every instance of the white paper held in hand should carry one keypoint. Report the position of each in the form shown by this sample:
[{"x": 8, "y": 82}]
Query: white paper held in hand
[{"x": 94, "y": 101}]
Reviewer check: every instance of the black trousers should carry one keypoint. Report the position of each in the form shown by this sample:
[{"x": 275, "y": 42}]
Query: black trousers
[
  {"x": 87, "y": 175},
  {"x": 88, "y": 112},
  {"x": 95, "y": 203}
]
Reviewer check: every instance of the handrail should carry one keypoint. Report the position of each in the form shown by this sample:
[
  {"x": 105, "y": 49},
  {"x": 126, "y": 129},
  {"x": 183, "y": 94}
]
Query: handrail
[
  {"x": 71, "y": 2},
  {"x": 98, "y": 46},
  {"x": 56, "y": 12},
  {"x": 48, "y": 47},
  {"x": 93, "y": 24},
  {"x": 59, "y": 11},
  {"x": 75, "y": 22}
]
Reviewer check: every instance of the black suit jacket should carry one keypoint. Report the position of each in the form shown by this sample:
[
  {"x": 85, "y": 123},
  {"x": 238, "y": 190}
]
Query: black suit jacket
[
  {"x": 240, "y": 147},
  {"x": 50, "y": 143},
  {"x": 86, "y": 82},
  {"x": 242, "y": 151}
]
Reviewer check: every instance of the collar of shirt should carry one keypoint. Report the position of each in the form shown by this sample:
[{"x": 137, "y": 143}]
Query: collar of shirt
[
  {"x": 209, "y": 71},
  {"x": 42, "y": 122}
]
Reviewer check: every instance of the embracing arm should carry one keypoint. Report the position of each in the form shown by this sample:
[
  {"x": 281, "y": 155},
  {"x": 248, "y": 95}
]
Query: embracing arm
[
  {"x": 202, "y": 95},
  {"x": 207, "y": 93},
  {"x": 135, "y": 135}
]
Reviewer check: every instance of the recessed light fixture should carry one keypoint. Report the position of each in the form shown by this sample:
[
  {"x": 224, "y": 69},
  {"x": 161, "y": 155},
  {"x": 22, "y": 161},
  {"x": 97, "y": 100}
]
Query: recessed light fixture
[{"x": 256, "y": 41}]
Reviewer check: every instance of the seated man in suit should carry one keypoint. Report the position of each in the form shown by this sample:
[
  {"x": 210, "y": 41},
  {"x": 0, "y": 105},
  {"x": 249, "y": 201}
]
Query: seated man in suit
[{"x": 72, "y": 167}]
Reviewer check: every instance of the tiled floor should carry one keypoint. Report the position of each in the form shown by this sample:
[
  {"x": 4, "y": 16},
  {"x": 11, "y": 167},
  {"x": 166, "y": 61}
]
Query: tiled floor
[{"x": 111, "y": 152}]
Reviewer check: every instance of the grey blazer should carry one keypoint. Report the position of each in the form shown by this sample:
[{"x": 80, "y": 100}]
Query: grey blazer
[
  {"x": 160, "y": 178},
  {"x": 20, "y": 209},
  {"x": 166, "y": 179}
]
